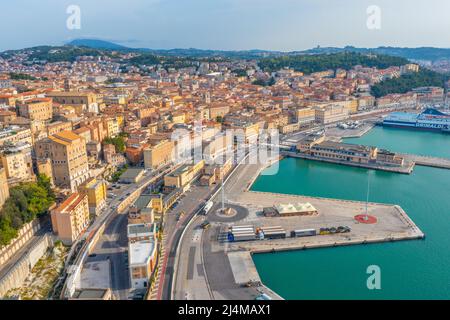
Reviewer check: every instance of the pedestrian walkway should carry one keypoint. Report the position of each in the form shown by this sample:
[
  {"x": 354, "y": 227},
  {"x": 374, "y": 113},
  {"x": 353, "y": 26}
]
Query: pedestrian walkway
[{"x": 153, "y": 292}]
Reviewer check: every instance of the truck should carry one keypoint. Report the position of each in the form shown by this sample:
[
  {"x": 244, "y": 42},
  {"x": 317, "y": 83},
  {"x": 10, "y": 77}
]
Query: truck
[
  {"x": 303, "y": 233},
  {"x": 207, "y": 207},
  {"x": 205, "y": 225},
  {"x": 274, "y": 234},
  {"x": 241, "y": 236}
]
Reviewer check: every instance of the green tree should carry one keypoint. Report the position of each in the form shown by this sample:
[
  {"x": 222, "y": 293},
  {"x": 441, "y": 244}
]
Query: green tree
[{"x": 118, "y": 142}]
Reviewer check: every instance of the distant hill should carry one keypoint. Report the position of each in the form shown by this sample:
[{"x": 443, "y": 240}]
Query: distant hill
[
  {"x": 421, "y": 53},
  {"x": 309, "y": 63},
  {"x": 96, "y": 44},
  {"x": 176, "y": 52}
]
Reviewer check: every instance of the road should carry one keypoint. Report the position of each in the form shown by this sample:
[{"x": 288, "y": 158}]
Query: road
[
  {"x": 113, "y": 243},
  {"x": 191, "y": 282},
  {"x": 190, "y": 203}
]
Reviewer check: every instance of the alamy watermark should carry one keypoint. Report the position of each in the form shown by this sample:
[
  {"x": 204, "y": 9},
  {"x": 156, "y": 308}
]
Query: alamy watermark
[
  {"x": 73, "y": 21},
  {"x": 236, "y": 146},
  {"x": 373, "y": 17},
  {"x": 374, "y": 280}
]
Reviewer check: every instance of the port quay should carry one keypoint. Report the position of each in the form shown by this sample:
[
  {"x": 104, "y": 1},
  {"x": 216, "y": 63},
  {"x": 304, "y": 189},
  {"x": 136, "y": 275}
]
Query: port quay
[{"x": 231, "y": 261}]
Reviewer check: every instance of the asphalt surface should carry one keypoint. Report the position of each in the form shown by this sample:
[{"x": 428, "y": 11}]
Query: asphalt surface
[
  {"x": 190, "y": 204},
  {"x": 113, "y": 243}
]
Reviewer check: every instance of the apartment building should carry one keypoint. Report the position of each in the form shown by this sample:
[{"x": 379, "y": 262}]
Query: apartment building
[
  {"x": 159, "y": 154},
  {"x": 58, "y": 126},
  {"x": 217, "y": 146},
  {"x": 143, "y": 254},
  {"x": 67, "y": 151},
  {"x": 183, "y": 176},
  {"x": 96, "y": 192},
  {"x": 112, "y": 127},
  {"x": 14, "y": 135},
  {"x": 40, "y": 109},
  {"x": 17, "y": 162},
  {"x": 305, "y": 115},
  {"x": 331, "y": 113},
  {"x": 71, "y": 218}
]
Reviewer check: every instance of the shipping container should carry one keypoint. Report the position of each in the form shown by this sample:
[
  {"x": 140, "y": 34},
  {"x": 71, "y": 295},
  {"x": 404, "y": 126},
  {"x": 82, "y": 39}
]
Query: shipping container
[
  {"x": 303, "y": 233},
  {"x": 242, "y": 227},
  {"x": 270, "y": 228},
  {"x": 239, "y": 229}
]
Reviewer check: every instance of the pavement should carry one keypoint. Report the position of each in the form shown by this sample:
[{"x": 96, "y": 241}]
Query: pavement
[
  {"x": 189, "y": 203},
  {"x": 191, "y": 282}
]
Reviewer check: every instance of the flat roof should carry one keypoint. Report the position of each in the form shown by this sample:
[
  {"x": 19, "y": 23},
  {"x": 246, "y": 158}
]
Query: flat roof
[
  {"x": 90, "y": 294},
  {"x": 131, "y": 173},
  {"x": 140, "y": 252},
  {"x": 141, "y": 228},
  {"x": 95, "y": 275},
  {"x": 299, "y": 207},
  {"x": 143, "y": 201}
]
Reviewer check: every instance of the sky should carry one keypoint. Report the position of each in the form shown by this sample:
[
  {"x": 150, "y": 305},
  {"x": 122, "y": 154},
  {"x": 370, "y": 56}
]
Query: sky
[{"x": 284, "y": 25}]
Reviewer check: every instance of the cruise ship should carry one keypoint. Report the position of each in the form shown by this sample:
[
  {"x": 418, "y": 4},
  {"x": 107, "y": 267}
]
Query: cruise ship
[{"x": 430, "y": 119}]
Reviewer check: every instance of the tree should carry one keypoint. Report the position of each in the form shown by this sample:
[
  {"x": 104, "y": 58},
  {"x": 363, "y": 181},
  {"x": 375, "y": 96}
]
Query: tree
[
  {"x": 322, "y": 62},
  {"x": 26, "y": 202},
  {"x": 118, "y": 142},
  {"x": 407, "y": 82}
]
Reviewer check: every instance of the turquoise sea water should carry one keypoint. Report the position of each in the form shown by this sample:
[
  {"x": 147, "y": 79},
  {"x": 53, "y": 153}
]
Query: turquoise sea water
[{"x": 416, "y": 269}]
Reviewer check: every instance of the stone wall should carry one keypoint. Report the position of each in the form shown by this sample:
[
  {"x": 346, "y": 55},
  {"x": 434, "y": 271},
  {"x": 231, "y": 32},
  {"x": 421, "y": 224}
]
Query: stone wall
[{"x": 16, "y": 275}]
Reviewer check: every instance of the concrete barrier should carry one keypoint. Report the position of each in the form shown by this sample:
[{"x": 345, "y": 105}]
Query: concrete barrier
[
  {"x": 24, "y": 235},
  {"x": 17, "y": 274}
]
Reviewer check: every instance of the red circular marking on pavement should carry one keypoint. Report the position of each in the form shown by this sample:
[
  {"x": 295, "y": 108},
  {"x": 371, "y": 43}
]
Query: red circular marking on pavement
[{"x": 366, "y": 219}]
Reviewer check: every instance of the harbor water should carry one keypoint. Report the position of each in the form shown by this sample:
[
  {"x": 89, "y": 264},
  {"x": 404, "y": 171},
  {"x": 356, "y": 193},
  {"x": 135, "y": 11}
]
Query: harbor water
[{"x": 416, "y": 269}]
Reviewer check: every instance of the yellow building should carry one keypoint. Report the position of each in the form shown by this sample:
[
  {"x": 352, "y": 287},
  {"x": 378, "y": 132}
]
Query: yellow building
[
  {"x": 96, "y": 192},
  {"x": 112, "y": 127},
  {"x": 179, "y": 117},
  {"x": 40, "y": 109},
  {"x": 182, "y": 177},
  {"x": 71, "y": 218},
  {"x": 305, "y": 115},
  {"x": 159, "y": 154}
]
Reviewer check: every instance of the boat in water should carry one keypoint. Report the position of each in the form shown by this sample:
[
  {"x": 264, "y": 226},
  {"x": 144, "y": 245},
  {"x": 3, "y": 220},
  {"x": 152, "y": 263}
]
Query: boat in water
[{"x": 430, "y": 119}]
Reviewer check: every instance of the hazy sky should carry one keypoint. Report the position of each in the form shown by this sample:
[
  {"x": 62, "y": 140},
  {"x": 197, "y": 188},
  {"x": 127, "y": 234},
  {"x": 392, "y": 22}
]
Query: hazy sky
[{"x": 227, "y": 24}]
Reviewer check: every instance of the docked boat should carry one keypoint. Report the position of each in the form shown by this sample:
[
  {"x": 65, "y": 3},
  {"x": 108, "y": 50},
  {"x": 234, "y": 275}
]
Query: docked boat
[{"x": 430, "y": 119}]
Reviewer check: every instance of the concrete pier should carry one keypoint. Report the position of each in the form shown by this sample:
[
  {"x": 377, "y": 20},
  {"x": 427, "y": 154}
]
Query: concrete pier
[
  {"x": 407, "y": 168},
  {"x": 393, "y": 223},
  {"x": 425, "y": 161}
]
